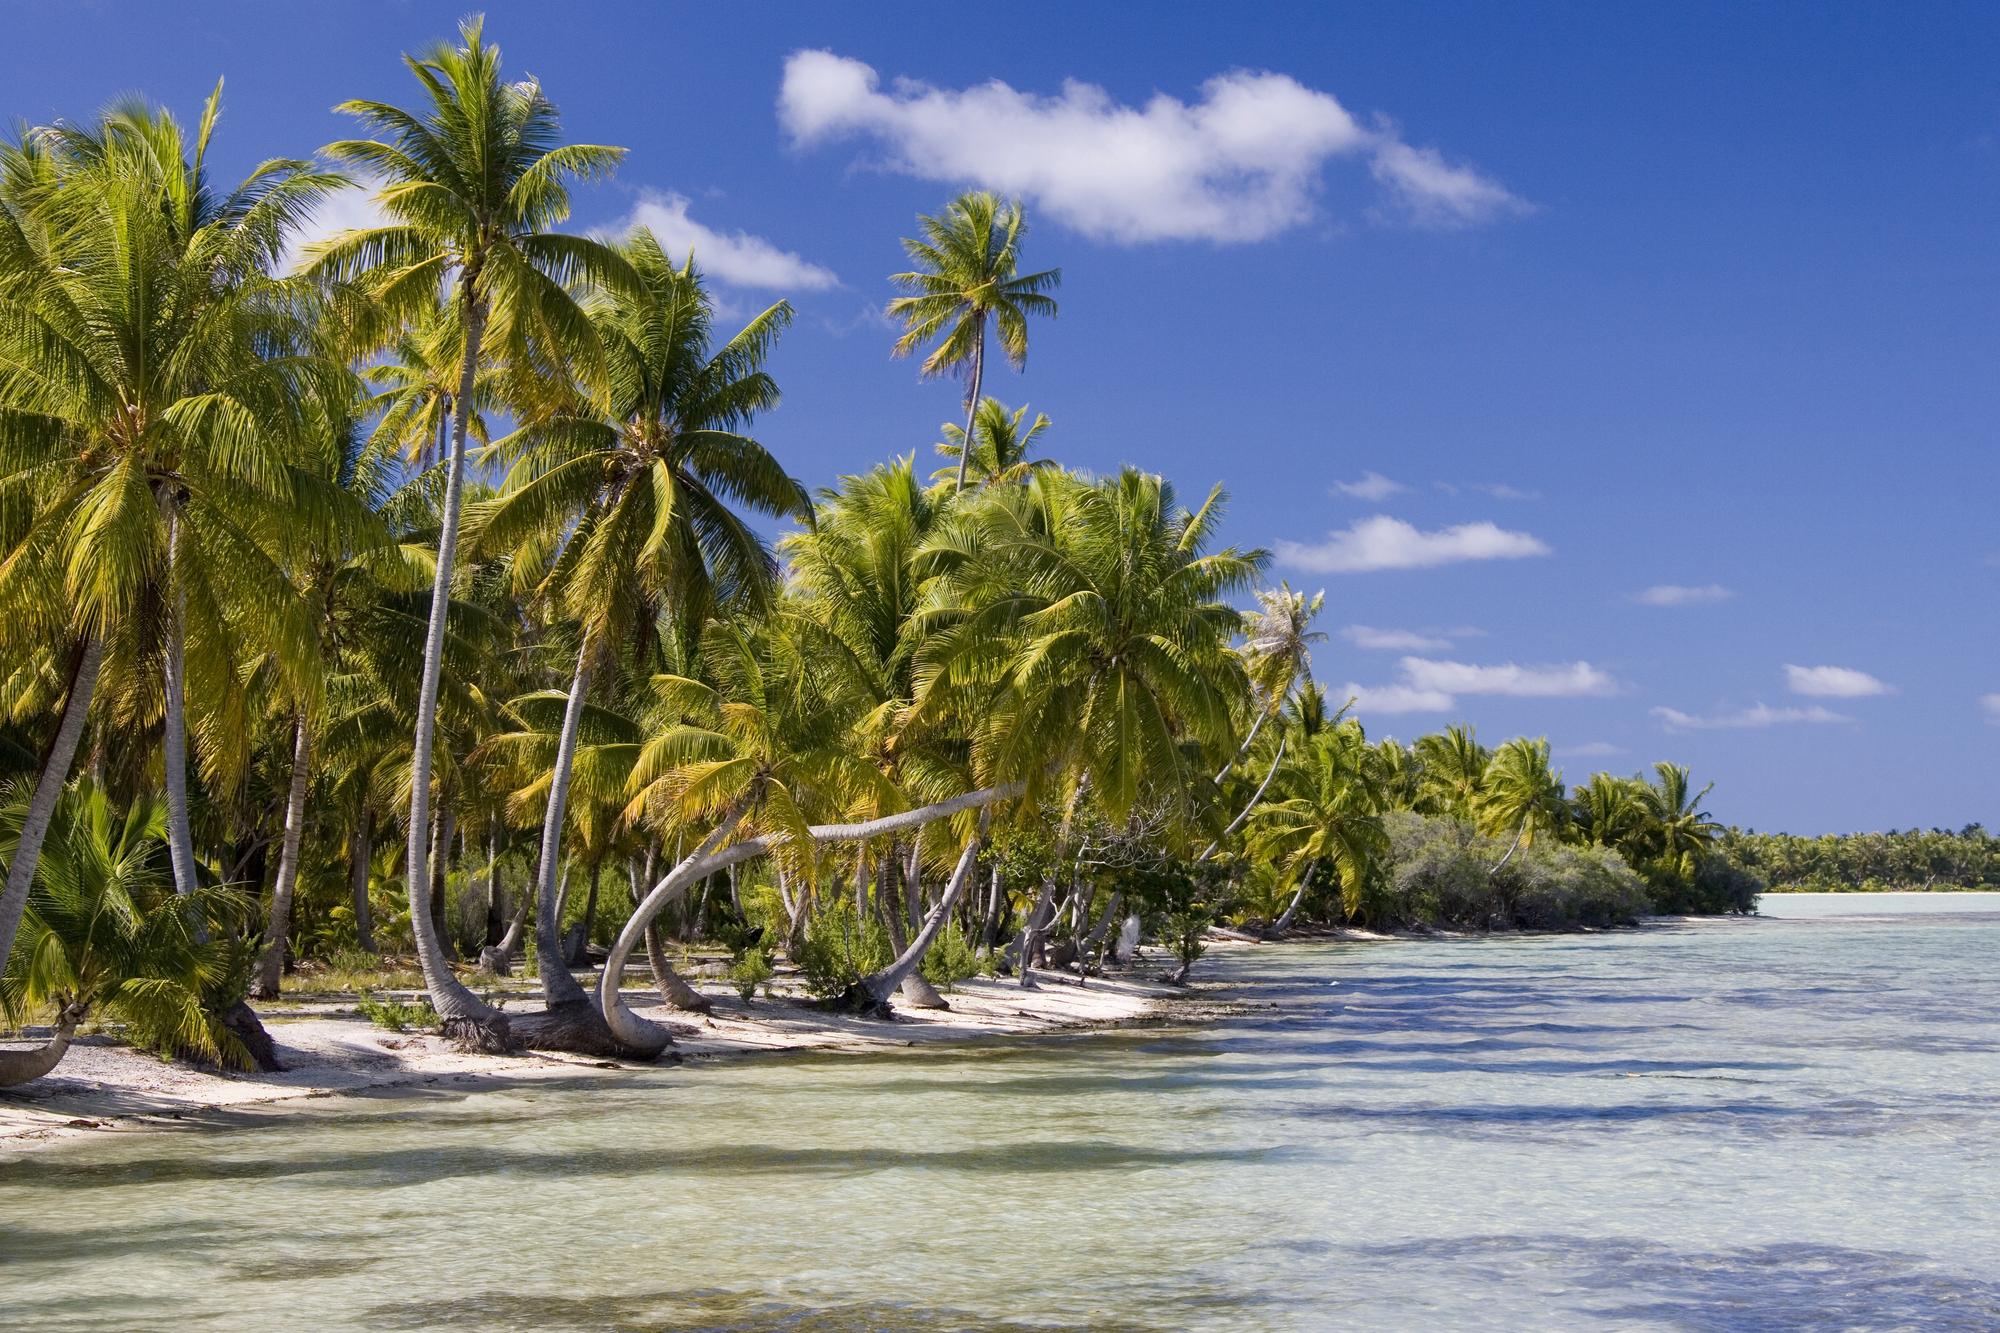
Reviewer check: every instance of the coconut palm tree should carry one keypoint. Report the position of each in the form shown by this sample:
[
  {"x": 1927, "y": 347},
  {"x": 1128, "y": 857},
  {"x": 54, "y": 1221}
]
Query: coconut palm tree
[
  {"x": 999, "y": 446},
  {"x": 1453, "y": 772},
  {"x": 1327, "y": 809},
  {"x": 1520, "y": 791},
  {"x": 473, "y": 185},
  {"x": 153, "y": 382},
  {"x": 1684, "y": 833},
  {"x": 968, "y": 273},
  {"x": 633, "y": 499}
]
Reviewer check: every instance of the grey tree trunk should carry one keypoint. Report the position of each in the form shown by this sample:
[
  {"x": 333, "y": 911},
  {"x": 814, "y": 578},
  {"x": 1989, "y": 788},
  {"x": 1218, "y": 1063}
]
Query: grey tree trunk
[
  {"x": 972, "y": 399},
  {"x": 48, "y": 789},
  {"x": 992, "y": 923},
  {"x": 1284, "y": 923},
  {"x": 590, "y": 911},
  {"x": 361, "y": 855},
  {"x": 180, "y": 838},
  {"x": 496, "y": 908},
  {"x": 559, "y": 987},
  {"x": 278, "y": 928},
  {"x": 447, "y": 828},
  {"x": 465, "y": 1015},
  {"x": 1257, "y": 796},
  {"x": 21, "y": 1066},
  {"x": 1031, "y": 932},
  {"x": 899, "y": 972},
  {"x": 1248, "y": 741},
  {"x": 917, "y": 988}
]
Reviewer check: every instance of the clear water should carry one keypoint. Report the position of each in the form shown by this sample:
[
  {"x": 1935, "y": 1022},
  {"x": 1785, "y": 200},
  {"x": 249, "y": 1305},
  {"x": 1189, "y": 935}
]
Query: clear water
[
  {"x": 1754, "y": 1125},
  {"x": 1874, "y": 904}
]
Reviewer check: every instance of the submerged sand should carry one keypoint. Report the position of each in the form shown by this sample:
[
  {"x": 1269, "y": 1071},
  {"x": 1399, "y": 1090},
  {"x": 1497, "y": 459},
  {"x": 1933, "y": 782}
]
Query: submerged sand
[{"x": 328, "y": 1050}]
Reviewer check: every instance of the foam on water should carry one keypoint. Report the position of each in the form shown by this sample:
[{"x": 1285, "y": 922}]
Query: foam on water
[{"x": 1748, "y": 1125}]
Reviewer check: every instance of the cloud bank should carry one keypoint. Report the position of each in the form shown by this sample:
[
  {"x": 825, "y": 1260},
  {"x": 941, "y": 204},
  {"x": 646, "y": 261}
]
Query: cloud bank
[
  {"x": 1673, "y": 594},
  {"x": 1589, "y": 750},
  {"x": 741, "y": 259},
  {"x": 1760, "y": 716},
  {"x": 1240, "y": 164},
  {"x": 1364, "y": 636},
  {"x": 1432, "y": 687},
  {"x": 1373, "y": 486},
  {"x": 1832, "y": 682},
  {"x": 1382, "y": 542}
]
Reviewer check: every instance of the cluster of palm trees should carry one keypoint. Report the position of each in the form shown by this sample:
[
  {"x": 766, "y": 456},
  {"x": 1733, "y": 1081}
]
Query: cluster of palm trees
[{"x": 353, "y": 579}]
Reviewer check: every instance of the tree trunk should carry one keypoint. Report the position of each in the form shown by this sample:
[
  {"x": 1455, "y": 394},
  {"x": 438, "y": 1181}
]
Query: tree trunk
[
  {"x": 361, "y": 854},
  {"x": 496, "y": 913},
  {"x": 888, "y": 902},
  {"x": 972, "y": 397},
  {"x": 912, "y": 882},
  {"x": 1284, "y": 923},
  {"x": 21, "y": 1066},
  {"x": 180, "y": 838},
  {"x": 465, "y": 1015},
  {"x": 558, "y": 986},
  {"x": 1522, "y": 833},
  {"x": 898, "y": 973},
  {"x": 992, "y": 924},
  {"x": 1031, "y": 929},
  {"x": 590, "y": 911},
  {"x": 1237, "y": 823},
  {"x": 735, "y": 896},
  {"x": 917, "y": 988},
  {"x": 1262, "y": 717},
  {"x": 1097, "y": 934},
  {"x": 48, "y": 789},
  {"x": 278, "y": 929}
]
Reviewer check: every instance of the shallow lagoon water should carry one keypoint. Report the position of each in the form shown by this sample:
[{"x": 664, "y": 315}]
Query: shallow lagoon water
[{"x": 1755, "y": 1125}]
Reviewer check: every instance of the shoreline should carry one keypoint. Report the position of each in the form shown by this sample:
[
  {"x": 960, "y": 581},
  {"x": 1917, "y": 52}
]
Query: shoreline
[{"x": 102, "y": 1086}]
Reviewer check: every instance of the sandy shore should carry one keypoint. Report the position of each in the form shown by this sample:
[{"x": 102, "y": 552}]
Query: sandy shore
[{"x": 103, "y": 1087}]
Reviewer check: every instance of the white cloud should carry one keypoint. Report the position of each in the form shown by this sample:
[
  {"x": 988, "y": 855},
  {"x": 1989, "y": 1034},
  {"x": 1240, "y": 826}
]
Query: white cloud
[
  {"x": 1673, "y": 594},
  {"x": 1382, "y": 542},
  {"x": 1990, "y": 705},
  {"x": 1589, "y": 750},
  {"x": 740, "y": 259},
  {"x": 1393, "y": 699},
  {"x": 1566, "y": 681},
  {"x": 1363, "y": 636},
  {"x": 1832, "y": 682},
  {"x": 1500, "y": 492},
  {"x": 1372, "y": 486},
  {"x": 1760, "y": 716},
  {"x": 351, "y": 209},
  {"x": 1241, "y": 164}
]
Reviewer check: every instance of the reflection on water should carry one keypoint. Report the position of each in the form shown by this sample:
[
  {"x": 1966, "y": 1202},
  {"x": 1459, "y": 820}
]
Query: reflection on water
[{"x": 1761, "y": 1125}]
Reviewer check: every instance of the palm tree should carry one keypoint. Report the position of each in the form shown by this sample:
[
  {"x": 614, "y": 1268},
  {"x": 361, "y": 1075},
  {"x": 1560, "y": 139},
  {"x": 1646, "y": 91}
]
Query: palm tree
[
  {"x": 152, "y": 381},
  {"x": 1327, "y": 809},
  {"x": 999, "y": 446},
  {"x": 1453, "y": 771},
  {"x": 1609, "y": 812},
  {"x": 474, "y": 183},
  {"x": 968, "y": 273},
  {"x": 1520, "y": 792},
  {"x": 633, "y": 499},
  {"x": 1683, "y": 832}
]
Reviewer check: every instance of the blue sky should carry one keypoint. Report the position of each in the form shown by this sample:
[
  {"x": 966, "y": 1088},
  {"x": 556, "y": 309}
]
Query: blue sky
[{"x": 1575, "y": 304}]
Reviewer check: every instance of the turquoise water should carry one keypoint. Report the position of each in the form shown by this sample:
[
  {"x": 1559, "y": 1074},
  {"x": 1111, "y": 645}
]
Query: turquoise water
[
  {"x": 1872, "y": 904},
  {"x": 1755, "y": 1125}
]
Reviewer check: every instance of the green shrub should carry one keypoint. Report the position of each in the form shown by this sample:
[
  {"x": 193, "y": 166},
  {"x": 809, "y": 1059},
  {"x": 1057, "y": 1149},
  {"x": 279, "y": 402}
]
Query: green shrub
[
  {"x": 750, "y": 971},
  {"x": 396, "y": 1016},
  {"x": 949, "y": 960},
  {"x": 835, "y": 953}
]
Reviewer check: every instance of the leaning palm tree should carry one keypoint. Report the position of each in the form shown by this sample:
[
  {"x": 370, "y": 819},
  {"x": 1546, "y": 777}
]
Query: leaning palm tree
[
  {"x": 968, "y": 273},
  {"x": 632, "y": 499},
  {"x": 1520, "y": 792},
  {"x": 1000, "y": 447},
  {"x": 1683, "y": 831},
  {"x": 1327, "y": 809},
  {"x": 153, "y": 380},
  {"x": 473, "y": 183}
]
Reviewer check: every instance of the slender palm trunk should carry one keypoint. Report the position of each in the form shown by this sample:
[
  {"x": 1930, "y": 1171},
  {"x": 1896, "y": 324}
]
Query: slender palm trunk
[
  {"x": 447, "y": 831},
  {"x": 20, "y": 1066},
  {"x": 972, "y": 399},
  {"x": 898, "y": 973},
  {"x": 496, "y": 908},
  {"x": 558, "y": 985},
  {"x": 464, "y": 1013},
  {"x": 1257, "y": 796},
  {"x": 48, "y": 788},
  {"x": 180, "y": 838},
  {"x": 589, "y": 912},
  {"x": 992, "y": 925},
  {"x": 1519, "y": 834},
  {"x": 361, "y": 854},
  {"x": 279, "y": 926},
  {"x": 1263, "y": 716},
  {"x": 1284, "y": 923}
]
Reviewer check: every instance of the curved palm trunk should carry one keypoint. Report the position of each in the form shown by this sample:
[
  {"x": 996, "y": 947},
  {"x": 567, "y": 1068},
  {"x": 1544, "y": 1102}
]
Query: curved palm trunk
[
  {"x": 705, "y": 860},
  {"x": 1284, "y": 923},
  {"x": 559, "y": 986},
  {"x": 1248, "y": 741},
  {"x": 271, "y": 973},
  {"x": 180, "y": 838},
  {"x": 1519, "y": 834},
  {"x": 1255, "y": 797},
  {"x": 972, "y": 399},
  {"x": 992, "y": 924},
  {"x": 880, "y": 984},
  {"x": 48, "y": 788},
  {"x": 465, "y": 1015},
  {"x": 20, "y": 1066}
]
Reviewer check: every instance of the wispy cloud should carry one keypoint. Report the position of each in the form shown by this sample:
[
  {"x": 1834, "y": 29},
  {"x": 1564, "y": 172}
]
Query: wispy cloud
[
  {"x": 1673, "y": 594},
  {"x": 1562, "y": 681},
  {"x": 1989, "y": 704},
  {"x": 737, "y": 258},
  {"x": 1500, "y": 492},
  {"x": 1382, "y": 542},
  {"x": 1373, "y": 486},
  {"x": 351, "y": 209},
  {"x": 1831, "y": 682},
  {"x": 1760, "y": 716},
  {"x": 1364, "y": 636},
  {"x": 1241, "y": 164},
  {"x": 1589, "y": 750},
  {"x": 1433, "y": 687}
]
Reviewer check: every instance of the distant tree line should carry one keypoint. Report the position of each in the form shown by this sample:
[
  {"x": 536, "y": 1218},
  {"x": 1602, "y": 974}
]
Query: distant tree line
[{"x": 1922, "y": 860}]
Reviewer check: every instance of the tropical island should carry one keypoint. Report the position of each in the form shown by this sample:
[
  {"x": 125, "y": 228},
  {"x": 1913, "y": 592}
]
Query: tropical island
[{"x": 388, "y": 620}]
